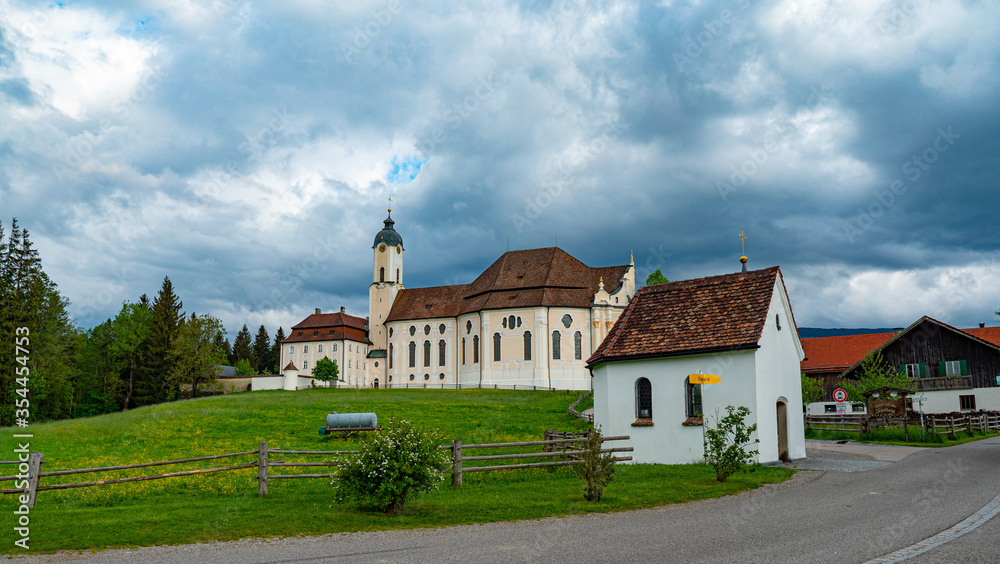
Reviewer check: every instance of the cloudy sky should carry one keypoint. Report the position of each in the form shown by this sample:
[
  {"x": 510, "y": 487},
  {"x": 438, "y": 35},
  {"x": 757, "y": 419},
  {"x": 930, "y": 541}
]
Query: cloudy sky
[{"x": 246, "y": 149}]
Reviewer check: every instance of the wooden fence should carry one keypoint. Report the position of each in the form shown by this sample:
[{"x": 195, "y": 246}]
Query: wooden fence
[
  {"x": 30, "y": 470},
  {"x": 934, "y": 424},
  {"x": 589, "y": 417}
]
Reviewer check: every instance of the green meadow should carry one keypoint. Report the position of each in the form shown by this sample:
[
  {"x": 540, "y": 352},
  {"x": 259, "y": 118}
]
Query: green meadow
[{"x": 225, "y": 505}]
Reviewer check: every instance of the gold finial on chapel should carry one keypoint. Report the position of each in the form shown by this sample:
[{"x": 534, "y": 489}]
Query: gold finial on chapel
[
  {"x": 390, "y": 203},
  {"x": 743, "y": 247}
]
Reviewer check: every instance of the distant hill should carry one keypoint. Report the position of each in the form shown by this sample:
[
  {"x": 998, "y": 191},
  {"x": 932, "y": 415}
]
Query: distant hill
[{"x": 809, "y": 332}]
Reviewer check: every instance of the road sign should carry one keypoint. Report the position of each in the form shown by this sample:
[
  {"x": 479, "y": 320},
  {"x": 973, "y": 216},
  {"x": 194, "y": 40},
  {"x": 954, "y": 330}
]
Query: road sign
[
  {"x": 840, "y": 395},
  {"x": 704, "y": 379}
]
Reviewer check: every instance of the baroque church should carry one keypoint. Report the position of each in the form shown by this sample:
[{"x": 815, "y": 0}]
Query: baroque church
[{"x": 532, "y": 319}]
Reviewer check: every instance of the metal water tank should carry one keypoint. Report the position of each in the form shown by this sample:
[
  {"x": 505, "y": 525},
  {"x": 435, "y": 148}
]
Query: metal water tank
[{"x": 351, "y": 420}]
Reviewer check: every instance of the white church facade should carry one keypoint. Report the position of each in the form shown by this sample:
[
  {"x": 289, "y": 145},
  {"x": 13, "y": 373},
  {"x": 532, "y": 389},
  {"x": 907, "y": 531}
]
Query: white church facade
[
  {"x": 530, "y": 320},
  {"x": 736, "y": 326}
]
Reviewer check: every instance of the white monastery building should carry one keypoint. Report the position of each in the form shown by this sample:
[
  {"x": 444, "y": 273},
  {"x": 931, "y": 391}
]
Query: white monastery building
[
  {"x": 530, "y": 320},
  {"x": 736, "y": 326}
]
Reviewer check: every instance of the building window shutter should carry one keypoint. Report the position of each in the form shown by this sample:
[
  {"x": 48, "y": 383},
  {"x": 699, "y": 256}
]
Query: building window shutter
[
  {"x": 923, "y": 370},
  {"x": 965, "y": 367},
  {"x": 902, "y": 368},
  {"x": 942, "y": 369}
]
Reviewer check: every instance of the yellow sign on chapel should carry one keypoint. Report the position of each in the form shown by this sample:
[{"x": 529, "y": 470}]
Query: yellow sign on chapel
[{"x": 704, "y": 378}]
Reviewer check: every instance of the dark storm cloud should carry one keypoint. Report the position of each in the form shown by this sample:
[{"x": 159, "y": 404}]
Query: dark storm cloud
[{"x": 245, "y": 149}]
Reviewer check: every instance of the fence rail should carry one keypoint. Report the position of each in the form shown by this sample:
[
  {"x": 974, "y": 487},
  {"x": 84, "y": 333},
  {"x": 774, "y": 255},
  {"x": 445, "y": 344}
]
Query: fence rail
[
  {"x": 935, "y": 424},
  {"x": 552, "y": 447}
]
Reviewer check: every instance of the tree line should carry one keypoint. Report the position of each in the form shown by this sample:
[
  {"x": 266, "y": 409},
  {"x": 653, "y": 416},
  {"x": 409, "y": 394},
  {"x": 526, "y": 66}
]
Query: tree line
[{"x": 149, "y": 352}]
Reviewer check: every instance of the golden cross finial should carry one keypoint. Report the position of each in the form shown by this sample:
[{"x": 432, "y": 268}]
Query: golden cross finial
[
  {"x": 631, "y": 257},
  {"x": 743, "y": 242},
  {"x": 390, "y": 202}
]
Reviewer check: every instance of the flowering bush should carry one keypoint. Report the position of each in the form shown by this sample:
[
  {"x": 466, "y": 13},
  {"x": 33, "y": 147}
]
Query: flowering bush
[{"x": 394, "y": 466}]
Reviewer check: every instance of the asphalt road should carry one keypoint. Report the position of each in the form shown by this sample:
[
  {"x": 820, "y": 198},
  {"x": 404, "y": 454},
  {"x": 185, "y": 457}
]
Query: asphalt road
[{"x": 819, "y": 516}]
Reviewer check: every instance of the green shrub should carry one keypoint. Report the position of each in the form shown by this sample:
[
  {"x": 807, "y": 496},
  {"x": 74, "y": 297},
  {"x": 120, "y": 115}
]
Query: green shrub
[
  {"x": 725, "y": 445},
  {"x": 595, "y": 469},
  {"x": 394, "y": 465}
]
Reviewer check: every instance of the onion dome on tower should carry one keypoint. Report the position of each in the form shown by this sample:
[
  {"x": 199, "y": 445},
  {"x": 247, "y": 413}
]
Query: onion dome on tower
[{"x": 388, "y": 234}]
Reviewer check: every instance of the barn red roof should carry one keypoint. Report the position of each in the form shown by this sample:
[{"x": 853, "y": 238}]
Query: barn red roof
[
  {"x": 988, "y": 334},
  {"x": 725, "y": 312},
  {"x": 835, "y": 354}
]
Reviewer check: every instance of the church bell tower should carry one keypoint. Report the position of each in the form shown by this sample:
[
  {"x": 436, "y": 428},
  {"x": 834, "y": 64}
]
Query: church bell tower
[{"x": 387, "y": 280}]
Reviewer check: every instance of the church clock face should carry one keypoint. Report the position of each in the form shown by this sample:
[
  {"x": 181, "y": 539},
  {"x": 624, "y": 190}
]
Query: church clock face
[
  {"x": 397, "y": 250},
  {"x": 381, "y": 248}
]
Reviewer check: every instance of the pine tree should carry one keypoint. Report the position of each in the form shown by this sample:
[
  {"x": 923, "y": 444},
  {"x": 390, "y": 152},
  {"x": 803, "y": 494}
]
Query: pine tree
[
  {"x": 275, "y": 360},
  {"x": 164, "y": 324},
  {"x": 261, "y": 351},
  {"x": 131, "y": 329},
  {"x": 242, "y": 348},
  {"x": 31, "y": 307}
]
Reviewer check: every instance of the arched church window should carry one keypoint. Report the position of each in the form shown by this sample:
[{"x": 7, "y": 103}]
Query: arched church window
[
  {"x": 643, "y": 399},
  {"x": 693, "y": 395},
  {"x": 468, "y": 327},
  {"x": 305, "y": 349},
  {"x": 335, "y": 347},
  {"x": 475, "y": 349},
  {"x": 527, "y": 345},
  {"x": 518, "y": 321},
  {"x": 504, "y": 323},
  {"x": 463, "y": 350},
  {"x": 397, "y": 276},
  {"x": 496, "y": 347},
  {"x": 319, "y": 348},
  {"x": 413, "y": 330},
  {"x": 441, "y": 352},
  {"x": 427, "y": 329},
  {"x": 567, "y": 321},
  {"x": 390, "y": 355},
  {"x": 381, "y": 274},
  {"x": 427, "y": 353},
  {"x": 441, "y": 328},
  {"x": 413, "y": 354},
  {"x": 578, "y": 345},
  {"x": 510, "y": 321},
  {"x": 390, "y": 331},
  {"x": 556, "y": 346}
]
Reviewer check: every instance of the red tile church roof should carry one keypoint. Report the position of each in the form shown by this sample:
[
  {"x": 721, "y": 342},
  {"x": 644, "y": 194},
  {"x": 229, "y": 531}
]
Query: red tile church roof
[
  {"x": 527, "y": 278},
  {"x": 725, "y": 312},
  {"x": 329, "y": 327}
]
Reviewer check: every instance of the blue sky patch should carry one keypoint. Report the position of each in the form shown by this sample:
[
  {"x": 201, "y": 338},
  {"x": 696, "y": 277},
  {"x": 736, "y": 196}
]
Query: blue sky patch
[{"x": 405, "y": 170}]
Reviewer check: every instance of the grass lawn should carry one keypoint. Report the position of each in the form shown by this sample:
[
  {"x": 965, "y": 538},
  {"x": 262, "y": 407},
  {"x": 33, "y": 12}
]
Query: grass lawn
[
  {"x": 895, "y": 437},
  {"x": 225, "y": 506}
]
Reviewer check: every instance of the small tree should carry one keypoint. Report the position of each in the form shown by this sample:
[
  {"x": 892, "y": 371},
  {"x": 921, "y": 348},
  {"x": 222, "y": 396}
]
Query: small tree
[
  {"x": 812, "y": 390},
  {"x": 656, "y": 277},
  {"x": 326, "y": 370},
  {"x": 596, "y": 469},
  {"x": 244, "y": 368},
  {"x": 874, "y": 373},
  {"x": 725, "y": 445},
  {"x": 394, "y": 465}
]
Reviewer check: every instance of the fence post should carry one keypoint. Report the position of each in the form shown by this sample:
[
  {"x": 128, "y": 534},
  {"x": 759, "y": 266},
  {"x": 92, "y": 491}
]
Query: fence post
[
  {"x": 456, "y": 462},
  {"x": 35, "y": 460},
  {"x": 262, "y": 470}
]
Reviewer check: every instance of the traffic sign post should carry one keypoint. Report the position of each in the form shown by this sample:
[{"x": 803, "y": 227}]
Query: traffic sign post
[{"x": 840, "y": 396}]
